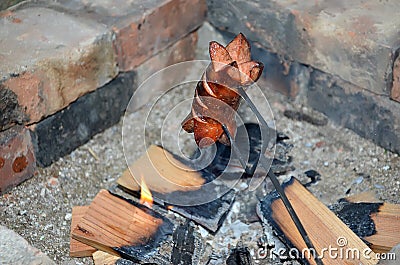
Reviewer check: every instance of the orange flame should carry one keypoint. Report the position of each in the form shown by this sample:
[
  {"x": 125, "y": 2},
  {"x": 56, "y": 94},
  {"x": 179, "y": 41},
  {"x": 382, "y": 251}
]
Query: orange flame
[
  {"x": 145, "y": 195},
  {"x": 169, "y": 207}
]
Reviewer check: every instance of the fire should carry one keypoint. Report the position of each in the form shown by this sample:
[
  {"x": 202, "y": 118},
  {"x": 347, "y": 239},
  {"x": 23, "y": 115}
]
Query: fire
[{"x": 145, "y": 195}]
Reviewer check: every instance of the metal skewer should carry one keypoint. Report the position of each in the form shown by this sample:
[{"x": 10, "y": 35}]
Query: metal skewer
[{"x": 271, "y": 175}]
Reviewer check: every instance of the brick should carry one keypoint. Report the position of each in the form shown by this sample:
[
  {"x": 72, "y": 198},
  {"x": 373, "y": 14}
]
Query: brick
[
  {"x": 73, "y": 126},
  {"x": 66, "y": 130},
  {"x": 372, "y": 116},
  {"x": 17, "y": 160},
  {"x": 354, "y": 40},
  {"x": 281, "y": 74},
  {"x": 50, "y": 58},
  {"x": 142, "y": 28},
  {"x": 395, "y": 90},
  {"x": 161, "y": 26},
  {"x": 183, "y": 50}
]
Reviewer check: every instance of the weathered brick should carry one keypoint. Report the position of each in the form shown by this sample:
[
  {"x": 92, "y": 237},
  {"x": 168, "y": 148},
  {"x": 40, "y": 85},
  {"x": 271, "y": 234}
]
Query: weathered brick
[
  {"x": 281, "y": 74},
  {"x": 395, "y": 90},
  {"x": 17, "y": 160},
  {"x": 354, "y": 40},
  {"x": 183, "y": 50},
  {"x": 372, "y": 116},
  {"x": 50, "y": 58},
  {"x": 159, "y": 27},
  {"x": 73, "y": 126},
  {"x": 66, "y": 130},
  {"x": 142, "y": 28}
]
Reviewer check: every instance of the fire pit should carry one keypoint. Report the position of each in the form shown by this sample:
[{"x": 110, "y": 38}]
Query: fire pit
[{"x": 177, "y": 203}]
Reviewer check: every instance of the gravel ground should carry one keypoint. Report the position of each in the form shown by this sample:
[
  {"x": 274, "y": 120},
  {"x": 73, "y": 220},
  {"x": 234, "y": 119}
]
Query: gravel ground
[{"x": 40, "y": 208}]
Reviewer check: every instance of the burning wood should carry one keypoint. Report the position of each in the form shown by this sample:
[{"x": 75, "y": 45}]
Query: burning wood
[
  {"x": 162, "y": 165},
  {"x": 162, "y": 172},
  {"x": 324, "y": 228},
  {"x": 145, "y": 195},
  {"x": 186, "y": 245},
  {"x": 121, "y": 227},
  {"x": 375, "y": 222}
]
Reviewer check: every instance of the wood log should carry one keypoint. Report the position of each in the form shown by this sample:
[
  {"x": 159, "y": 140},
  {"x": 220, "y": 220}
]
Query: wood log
[
  {"x": 162, "y": 173},
  {"x": 77, "y": 248},
  {"x": 121, "y": 227},
  {"x": 169, "y": 178},
  {"x": 376, "y": 222},
  {"x": 325, "y": 229}
]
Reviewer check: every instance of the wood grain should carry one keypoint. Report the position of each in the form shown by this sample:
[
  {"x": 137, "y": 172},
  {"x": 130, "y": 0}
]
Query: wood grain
[
  {"x": 162, "y": 173},
  {"x": 111, "y": 222},
  {"x": 322, "y": 225},
  {"x": 104, "y": 258},
  {"x": 387, "y": 226},
  {"x": 77, "y": 248}
]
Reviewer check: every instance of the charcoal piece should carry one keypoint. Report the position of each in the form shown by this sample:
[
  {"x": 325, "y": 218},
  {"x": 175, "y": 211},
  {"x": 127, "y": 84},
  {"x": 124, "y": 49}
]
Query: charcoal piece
[
  {"x": 312, "y": 117},
  {"x": 184, "y": 245},
  {"x": 313, "y": 175},
  {"x": 122, "y": 261},
  {"x": 209, "y": 215},
  {"x": 251, "y": 133},
  {"x": 239, "y": 256},
  {"x": 357, "y": 216}
]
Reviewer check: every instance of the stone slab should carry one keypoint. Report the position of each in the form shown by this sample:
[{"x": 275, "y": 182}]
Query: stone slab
[
  {"x": 50, "y": 58},
  {"x": 73, "y": 126},
  {"x": 14, "y": 249},
  {"x": 355, "y": 40},
  {"x": 17, "y": 160}
]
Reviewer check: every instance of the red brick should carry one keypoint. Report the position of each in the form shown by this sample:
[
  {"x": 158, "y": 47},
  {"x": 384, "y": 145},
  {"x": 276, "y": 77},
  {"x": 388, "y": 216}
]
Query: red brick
[
  {"x": 17, "y": 160},
  {"x": 158, "y": 28},
  {"x": 395, "y": 91},
  {"x": 183, "y": 50},
  {"x": 50, "y": 58}
]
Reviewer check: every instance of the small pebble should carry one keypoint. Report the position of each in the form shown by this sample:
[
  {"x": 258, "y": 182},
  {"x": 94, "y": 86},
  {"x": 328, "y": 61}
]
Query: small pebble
[
  {"x": 43, "y": 192},
  {"x": 68, "y": 216},
  {"x": 379, "y": 186},
  {"x": 326, "y": 164},
  {"x": 386, "y": 167},
  {"x": 358, "y": 180},
  {"x": 52, "y": 182}
]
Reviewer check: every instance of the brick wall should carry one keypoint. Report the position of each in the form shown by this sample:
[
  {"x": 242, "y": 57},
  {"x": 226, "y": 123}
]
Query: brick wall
[{"x": 61, "y": 59}]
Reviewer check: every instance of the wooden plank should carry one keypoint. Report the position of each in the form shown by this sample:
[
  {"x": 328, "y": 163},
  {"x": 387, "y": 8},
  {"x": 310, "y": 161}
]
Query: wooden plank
[
  {"x": 162, "y": 173},
  {"x": 385, "y": 218},
  {"x": 121, "y": 227},
  {"x": 77, "y": 248},
  {"x": 104, "y": 258},
  {"x": 387, "y": 226},
  {"x": 324, "y": 228},
  {"x": 367, "y": 196}
]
